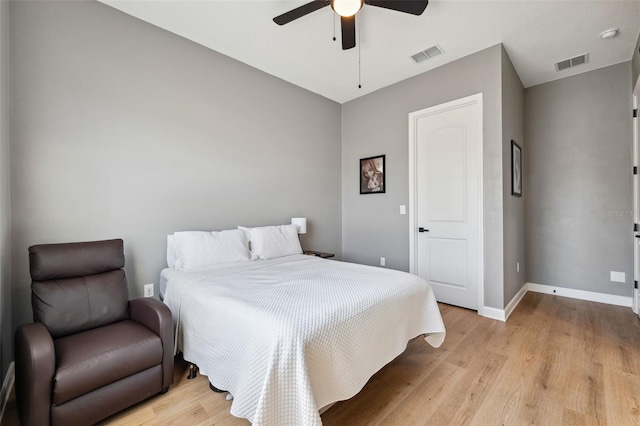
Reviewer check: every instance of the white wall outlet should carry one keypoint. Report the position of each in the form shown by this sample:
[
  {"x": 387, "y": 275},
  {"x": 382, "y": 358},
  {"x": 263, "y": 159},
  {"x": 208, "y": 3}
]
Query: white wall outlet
[
  {"x": 403, "y": 209},
  {"x": 148, "y": 290},
  {"x": 382, "y": 261},
  {"x": 518, "y": 267},
  {"x": 618, "y": 277}
]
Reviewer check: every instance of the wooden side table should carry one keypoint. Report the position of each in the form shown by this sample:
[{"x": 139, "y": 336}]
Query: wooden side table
[{"x": 319, "y": 254}]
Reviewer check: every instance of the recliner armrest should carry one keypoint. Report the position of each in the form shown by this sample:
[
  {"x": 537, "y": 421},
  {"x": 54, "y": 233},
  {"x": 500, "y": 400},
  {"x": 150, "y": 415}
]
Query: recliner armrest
[
  {"x": 156, "y": 316},
  {"x": 35, "y": 368}
]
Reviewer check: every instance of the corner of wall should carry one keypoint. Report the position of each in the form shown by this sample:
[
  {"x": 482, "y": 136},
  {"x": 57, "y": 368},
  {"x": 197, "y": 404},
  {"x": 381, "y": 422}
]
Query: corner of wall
[
  {"x": 514, "y": 212},
  {"x": 635, "y": 62},
  {"x": 6, "y": 330}
]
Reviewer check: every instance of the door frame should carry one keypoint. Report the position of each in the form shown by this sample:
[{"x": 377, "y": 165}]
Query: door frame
[
  {"x": 413, "y": 196},
  {"x": 635, "y": 303}
]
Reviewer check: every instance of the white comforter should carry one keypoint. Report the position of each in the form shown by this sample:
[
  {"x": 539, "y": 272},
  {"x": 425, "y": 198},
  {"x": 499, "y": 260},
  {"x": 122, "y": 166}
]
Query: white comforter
[{"x": 288, "y": 336}]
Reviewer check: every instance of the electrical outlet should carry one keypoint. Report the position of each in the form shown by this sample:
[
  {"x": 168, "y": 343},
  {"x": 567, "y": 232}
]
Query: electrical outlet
[
  {"x": 403, "y": 209},
  {"x": 382, "y": 261},
  {"x": 616, "y": 276},
  {"x": 148, "y": 290}
]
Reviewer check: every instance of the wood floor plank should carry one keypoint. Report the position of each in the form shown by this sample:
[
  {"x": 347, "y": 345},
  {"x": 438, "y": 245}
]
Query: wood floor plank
[
  {"x": 502, "y": 402},
  {"x": 572, "y": 418},
  {"x": 543, "y": 388},
  {"x": 556, "y": 361},
  {"x": 622, "y": 397},
  {"x": 470, "y": 391},
  {"x": 504, "y": 398},
  {"x": 425, "y": 399},
  {"x": 584, "y": 380},
  {"x": 467, "y": 351}
]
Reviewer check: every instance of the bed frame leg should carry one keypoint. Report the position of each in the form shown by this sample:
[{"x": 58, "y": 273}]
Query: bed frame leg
[
  {"x": 192, "y": 371},
  {"x": 215, "y": 389}
]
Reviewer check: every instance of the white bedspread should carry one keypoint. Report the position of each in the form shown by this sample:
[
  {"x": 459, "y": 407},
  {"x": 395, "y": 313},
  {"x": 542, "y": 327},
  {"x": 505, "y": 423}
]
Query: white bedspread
[{"x": 288, "y": 336}]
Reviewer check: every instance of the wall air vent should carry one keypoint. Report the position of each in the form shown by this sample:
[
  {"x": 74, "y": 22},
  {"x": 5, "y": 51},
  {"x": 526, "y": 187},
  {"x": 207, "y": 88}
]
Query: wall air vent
[
  {"x": 569, "y": 63},
  {"x": 427, "y": 54}
]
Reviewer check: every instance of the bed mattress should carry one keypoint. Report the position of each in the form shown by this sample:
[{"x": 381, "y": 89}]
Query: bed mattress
[{"x": 165, "y": 274}]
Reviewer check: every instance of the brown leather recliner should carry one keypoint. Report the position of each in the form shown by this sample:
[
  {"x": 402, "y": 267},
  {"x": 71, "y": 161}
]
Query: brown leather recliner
[{"x": 90, "y": 351}]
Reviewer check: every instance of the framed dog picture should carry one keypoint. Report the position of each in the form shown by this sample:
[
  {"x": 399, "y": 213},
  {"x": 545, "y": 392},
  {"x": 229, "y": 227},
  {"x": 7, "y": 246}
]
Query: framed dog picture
[{"x": 372, "y": 172}]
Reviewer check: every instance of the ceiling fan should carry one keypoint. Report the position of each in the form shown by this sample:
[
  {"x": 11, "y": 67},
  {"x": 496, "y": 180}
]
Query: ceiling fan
[{"x": 347, "y": 10}]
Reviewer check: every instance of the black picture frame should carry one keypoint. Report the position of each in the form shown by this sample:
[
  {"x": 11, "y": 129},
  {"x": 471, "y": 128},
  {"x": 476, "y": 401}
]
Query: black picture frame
[
  {"x": 373, "y": 175},
  {"x": 516, "y": 169}
]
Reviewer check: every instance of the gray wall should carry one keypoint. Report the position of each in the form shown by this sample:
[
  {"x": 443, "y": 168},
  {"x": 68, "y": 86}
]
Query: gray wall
[
  {"x": 579, "y": 203},
  {"x": 124, "y": 130},
  {"x": 514, "y": 207},
  {"x": 378, "y": 124},
  {"x": 6, "y": 350}
]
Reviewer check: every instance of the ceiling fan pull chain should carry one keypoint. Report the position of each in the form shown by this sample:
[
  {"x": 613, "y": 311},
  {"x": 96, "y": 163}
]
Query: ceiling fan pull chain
[
  {"x": 333, "y": 17},
  {"x": 359, "y": 66}
]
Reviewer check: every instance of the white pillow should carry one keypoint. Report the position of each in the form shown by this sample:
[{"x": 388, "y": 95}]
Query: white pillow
[
  {"x": 197, "y": 249},
  {"x": 171, "y": 251},
  {"x": 269, "y": 242},
  {"x": 247, "y": 231}
]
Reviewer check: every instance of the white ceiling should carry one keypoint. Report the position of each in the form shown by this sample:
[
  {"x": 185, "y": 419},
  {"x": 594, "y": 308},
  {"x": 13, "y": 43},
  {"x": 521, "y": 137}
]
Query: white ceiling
[{"x": 535, "y": 34}]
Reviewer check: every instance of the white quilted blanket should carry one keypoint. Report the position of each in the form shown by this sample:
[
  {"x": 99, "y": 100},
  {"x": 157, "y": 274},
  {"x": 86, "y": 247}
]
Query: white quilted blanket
[{"x": 288, "y": 336}]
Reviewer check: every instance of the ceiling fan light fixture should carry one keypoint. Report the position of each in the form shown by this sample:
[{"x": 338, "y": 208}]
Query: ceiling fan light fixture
[{"x": 346, "y": 8}]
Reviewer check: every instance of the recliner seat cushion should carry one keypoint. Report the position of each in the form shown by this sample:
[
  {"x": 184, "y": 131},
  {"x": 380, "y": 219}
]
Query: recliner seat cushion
[{"x": 95, "y": 358}]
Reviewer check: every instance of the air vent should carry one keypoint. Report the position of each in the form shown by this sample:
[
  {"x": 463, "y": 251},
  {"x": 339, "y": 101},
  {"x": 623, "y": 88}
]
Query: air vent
[
  {"x": 427, "y": 53},
  {"x": 569, "y": 63}
]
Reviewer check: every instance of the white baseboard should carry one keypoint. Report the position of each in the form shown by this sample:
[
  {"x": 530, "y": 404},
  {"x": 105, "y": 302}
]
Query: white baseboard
[
  {"x": 7, "y": 385},
  {"x": 591, "y": 296},
  {"x": 493, "y": 313},
  {"x": 503, "y": 314},
  {"x": 610, "y": 299},
  {"x": 516, "y": 300}
]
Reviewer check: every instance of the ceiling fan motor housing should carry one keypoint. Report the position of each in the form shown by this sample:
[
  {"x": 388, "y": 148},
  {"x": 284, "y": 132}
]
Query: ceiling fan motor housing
[{"x": 346, "y": 8}]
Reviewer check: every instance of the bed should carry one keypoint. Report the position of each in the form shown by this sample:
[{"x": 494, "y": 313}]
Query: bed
[{"x": 289, "y": 335}]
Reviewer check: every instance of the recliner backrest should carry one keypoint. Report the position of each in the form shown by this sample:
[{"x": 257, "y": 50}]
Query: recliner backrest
[{"x": 78, "y": 286}]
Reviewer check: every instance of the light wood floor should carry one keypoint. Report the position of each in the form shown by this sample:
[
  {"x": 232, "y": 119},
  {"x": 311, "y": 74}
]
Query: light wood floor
[{"x": 557, "y": 361}]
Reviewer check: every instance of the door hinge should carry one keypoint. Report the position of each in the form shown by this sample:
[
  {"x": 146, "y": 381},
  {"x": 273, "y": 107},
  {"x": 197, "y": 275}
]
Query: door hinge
[
  {"x": 635, "y": 170},
  {"x": 635, "y": 284},
  {"x": 635, "y": 227},
  {"x": 635, "y": 113}
]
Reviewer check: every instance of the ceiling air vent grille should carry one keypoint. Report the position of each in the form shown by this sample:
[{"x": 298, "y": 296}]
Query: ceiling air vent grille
[
  {"x": 427, "y": 54},
  {"x": 569, "y": 63}
]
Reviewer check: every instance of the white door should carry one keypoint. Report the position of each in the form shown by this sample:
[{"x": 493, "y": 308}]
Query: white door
[{"x": 446, "y": 145}]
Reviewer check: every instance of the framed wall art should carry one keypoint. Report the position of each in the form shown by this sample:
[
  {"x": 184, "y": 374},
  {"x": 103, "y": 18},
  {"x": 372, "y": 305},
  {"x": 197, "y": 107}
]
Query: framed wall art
[
  {"x": 516, "y": 169},
  {"x": 372, "y": 175}
]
